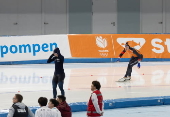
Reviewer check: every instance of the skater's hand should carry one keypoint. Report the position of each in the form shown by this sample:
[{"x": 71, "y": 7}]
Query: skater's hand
[
  {"x": 118, "y": 60},
  {"x": 139, "y": 65}
]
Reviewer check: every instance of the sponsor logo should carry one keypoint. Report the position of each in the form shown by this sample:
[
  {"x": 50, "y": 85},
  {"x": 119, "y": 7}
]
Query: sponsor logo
[
  {"x": 26, "y": 48},
  {"x": 136, "y": 43},
  {"x": 102, "y": 43}
]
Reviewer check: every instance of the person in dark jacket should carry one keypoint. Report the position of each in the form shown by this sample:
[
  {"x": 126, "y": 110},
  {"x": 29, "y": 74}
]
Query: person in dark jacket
[
  {"x": 19, "y": 109},
  {"x": 63, "y": 107},
  {"x": 59, "y": 75}
]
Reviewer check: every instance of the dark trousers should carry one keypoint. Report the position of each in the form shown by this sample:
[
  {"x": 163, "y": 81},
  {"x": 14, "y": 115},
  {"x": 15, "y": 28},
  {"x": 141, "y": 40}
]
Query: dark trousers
[
  {"x": 133, "y": 61},
  {"x": 58, "y": 79}
]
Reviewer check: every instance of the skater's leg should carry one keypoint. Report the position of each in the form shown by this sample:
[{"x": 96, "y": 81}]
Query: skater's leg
[
  {"x": 61, "y": 82},
  {"x": 129, "y": 68},
  {"x": 133, "y": 62},
  {"x": 54, "y": 84}
]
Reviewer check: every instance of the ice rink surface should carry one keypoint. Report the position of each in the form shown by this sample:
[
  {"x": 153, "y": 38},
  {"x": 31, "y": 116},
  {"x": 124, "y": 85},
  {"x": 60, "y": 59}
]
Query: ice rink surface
[{"x": 34, "y": 81}]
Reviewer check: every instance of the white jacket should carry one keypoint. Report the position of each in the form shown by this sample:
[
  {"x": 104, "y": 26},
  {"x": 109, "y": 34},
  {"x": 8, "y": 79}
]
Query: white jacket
[
  {"x": 47, "y": 112},
  {"x": 56, "y": 112}
]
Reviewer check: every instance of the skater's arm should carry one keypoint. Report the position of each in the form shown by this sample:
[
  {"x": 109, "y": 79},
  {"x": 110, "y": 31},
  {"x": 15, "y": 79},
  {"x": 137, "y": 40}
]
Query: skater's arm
[
  {"x": 121, "y": 54},
  {"x": 139, "y": 55},
  {"x": 95, "y": 103},
  {"x": 50, "y": 59}
]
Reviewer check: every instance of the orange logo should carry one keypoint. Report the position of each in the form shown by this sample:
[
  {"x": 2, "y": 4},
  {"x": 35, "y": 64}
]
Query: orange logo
[{"x": 137, "y": 43}]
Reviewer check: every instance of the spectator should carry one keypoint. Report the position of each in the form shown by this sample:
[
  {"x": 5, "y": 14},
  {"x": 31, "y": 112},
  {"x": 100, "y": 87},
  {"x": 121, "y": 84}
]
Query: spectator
[
  {"x": 53, "y": 103},
  {"x": 43, "y": 111},
  {"x": 18, "y": 108},
  {"x": 95, "y": 105},
  {"x": 63, "y": 107}
]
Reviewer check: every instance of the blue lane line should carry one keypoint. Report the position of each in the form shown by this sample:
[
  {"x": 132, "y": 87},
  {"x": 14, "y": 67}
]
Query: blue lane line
[{"x": 82, "y": 60}]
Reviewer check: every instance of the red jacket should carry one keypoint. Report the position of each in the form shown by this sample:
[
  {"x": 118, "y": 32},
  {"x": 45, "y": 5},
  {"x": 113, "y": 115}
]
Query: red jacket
[
  {"x": 65, "y": 109},
  {"x": 91, "y": 111}
]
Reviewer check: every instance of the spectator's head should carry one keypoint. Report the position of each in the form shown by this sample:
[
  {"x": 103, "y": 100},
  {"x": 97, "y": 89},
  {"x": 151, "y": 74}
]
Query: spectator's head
[
  {"x": 95, "y": 85},
  {"x": 53, "y": 103},
  {"x": 61, "y": 98},
  {"x": 42, "y": 101},
  {"x": 17, "y": 98}
]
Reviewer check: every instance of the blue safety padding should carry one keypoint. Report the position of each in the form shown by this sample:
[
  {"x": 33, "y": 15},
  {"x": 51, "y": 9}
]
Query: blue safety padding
[
  {"x": 82, "y": 60},
  {"x": 79, "y": 106},
  {"x": 137, "y": 102},
  {"x": 166, "y": 100},
  {"x": 3, "y": 114},
  {"x": 116, "y": 103}
]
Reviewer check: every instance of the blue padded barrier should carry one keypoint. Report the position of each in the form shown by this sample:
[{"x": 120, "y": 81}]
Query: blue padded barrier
[
  {"x": 116, "y": 103},
  {"x": 2, "y": 114},
  {"x": 79, "y": 106},
  {"x": 83, "y": 60},
  {"x": 166, "y": 100}
]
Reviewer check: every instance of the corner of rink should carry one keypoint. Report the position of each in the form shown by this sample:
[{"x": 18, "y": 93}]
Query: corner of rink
[{"x": 113, "y": 104}]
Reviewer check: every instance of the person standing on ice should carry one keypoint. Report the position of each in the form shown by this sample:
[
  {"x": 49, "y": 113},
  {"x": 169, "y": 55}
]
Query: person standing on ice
[
  {"x": 136, "y": 58},
  {"x": 59, "y": 75},
  {"x": 95, "y": 106}
]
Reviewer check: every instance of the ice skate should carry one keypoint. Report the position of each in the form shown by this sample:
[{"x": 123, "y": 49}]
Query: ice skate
[
  {"x": 128, "y": 78},
  {"x": 122, "y": 79}
]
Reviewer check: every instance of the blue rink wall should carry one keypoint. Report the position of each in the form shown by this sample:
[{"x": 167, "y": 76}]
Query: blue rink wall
[
  {"x": 82, "y": 60},
  {"x": 116, "y": 103}
]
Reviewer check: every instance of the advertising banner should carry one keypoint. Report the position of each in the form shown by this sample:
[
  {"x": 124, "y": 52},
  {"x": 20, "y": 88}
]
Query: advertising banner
[
  {"x": 111, "y": 45},
  {"x": 21, "y": 48}
]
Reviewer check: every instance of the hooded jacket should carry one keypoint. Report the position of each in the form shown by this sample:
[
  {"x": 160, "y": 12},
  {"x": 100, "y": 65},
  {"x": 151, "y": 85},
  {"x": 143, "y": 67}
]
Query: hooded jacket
[
  {"x": 21, "y": 106},
  {"x": 65, "y": 109},
  {"x": 58, "y": 61}
]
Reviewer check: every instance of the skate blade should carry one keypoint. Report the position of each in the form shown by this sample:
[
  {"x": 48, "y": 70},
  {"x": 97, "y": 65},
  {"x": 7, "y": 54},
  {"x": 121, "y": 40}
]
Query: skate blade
[{"x": 120, "y": 81}]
